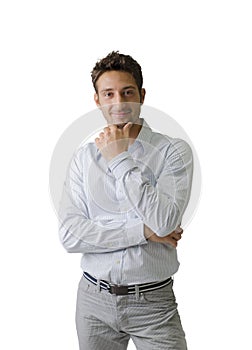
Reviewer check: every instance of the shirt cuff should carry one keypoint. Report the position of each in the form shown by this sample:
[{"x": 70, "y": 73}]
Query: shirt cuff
[{"x": 121, "y": 164}]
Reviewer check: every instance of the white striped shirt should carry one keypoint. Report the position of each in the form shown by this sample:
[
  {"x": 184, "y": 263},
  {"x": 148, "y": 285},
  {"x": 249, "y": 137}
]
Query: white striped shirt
[{"x": 105, "y": 206}]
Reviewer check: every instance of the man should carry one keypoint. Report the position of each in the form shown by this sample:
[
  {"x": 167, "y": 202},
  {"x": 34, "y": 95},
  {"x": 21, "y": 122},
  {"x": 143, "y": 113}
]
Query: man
[{"x": 122, "y": 205}]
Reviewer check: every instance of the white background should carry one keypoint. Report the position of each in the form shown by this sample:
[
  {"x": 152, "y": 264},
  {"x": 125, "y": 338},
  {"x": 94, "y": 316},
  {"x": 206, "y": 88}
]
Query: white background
[{"x": 196, "y": 60}]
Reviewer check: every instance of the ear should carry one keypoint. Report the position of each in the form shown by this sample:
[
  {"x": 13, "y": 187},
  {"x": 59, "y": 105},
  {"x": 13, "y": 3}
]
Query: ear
[
  {"x": 143, "y": 92},
  {"x": 96, "y": 99}
]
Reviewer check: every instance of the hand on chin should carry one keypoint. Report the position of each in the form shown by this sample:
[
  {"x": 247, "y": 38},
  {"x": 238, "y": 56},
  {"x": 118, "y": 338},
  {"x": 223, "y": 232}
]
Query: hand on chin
[{"x": 120, "y": 125}]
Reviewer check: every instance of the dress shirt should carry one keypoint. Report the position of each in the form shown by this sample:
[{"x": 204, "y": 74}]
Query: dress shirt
[{"x": 105, "y": 206}]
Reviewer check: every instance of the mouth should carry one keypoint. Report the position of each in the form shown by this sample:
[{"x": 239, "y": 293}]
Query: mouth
[{"x": 122, "y": 114}]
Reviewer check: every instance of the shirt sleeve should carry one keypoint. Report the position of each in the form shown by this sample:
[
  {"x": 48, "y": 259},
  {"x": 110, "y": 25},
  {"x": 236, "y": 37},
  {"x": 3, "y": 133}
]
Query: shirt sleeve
[
  {"x": 78, "y": 233},
  {"x": 160, "y": 205}
]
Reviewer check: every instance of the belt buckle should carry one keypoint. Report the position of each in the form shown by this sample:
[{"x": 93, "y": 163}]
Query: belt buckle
[{"x": 117, "y": 289}]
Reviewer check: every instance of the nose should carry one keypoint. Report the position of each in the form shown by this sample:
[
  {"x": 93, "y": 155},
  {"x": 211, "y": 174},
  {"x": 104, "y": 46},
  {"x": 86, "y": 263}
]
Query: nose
[{"x": 119, "y": 98}]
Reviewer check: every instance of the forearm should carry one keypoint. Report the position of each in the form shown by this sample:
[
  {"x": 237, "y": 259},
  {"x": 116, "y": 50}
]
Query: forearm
[
  {"x": 160, "y": 205},
  {"x": 171, "y": 239},
  {"x": 158, "y": 210},
  {"x": 79, "y": 234},
  {"x": 84, "y": 231},
  {"x": 85, "y": 237}
]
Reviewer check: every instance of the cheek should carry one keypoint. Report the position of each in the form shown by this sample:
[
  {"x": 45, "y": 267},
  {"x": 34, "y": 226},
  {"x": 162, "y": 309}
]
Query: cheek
[
  {"x": 136, "y": 109},
  {"x": 106, "y": 112}
]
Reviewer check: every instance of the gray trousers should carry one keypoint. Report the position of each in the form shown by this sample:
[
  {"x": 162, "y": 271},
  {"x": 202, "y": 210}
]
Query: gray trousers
[{"x": 107, "y": 322}]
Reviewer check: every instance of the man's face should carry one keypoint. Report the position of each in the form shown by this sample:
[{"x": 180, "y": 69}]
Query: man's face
[{"x": 118, "y": 97}]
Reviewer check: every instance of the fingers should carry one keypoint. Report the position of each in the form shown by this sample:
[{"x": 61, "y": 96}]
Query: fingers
[
  {"x": 97, "y": 142},
  {"x": 103, "y": 135},
  {"x": 176, "y": 236},
  {"x": 111, "y": 127},
  {"x": 106, "y": 130},
  {"x": 114, "y": 128},
  {"x": 171, "y": 239},
  {"x": 179, "y": 230},
  {"x": 127, "y": 127}
]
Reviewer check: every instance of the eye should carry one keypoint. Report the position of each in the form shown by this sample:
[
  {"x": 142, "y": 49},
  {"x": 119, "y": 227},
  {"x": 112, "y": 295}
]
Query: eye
[
  {"x": 108, "y": 94},
  {"x": 129, "y": 92}
]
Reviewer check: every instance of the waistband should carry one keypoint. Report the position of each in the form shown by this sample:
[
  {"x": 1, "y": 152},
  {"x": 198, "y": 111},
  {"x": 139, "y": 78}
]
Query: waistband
[{"x": 127, "y": 289}]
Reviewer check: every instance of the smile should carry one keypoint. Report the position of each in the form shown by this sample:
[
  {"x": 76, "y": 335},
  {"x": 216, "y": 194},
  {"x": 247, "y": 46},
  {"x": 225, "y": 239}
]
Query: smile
[{"x": 120, "y": 114}]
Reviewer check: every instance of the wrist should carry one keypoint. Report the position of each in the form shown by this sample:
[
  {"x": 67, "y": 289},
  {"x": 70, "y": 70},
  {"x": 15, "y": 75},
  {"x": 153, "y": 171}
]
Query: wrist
[{"x": 148, "y": 232}]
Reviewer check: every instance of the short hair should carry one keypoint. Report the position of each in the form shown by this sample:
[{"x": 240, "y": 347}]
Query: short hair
[{"x": 119, "y": 62}]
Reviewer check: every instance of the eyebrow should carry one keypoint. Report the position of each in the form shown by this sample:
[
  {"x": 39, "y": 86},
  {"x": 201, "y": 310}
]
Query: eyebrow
[{"x": 124, "y": 88}]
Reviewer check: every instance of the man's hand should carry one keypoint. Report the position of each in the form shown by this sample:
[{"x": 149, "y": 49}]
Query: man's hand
[
  {"x": 172, "y": 238},
  {"x": 113, "y": 140}
]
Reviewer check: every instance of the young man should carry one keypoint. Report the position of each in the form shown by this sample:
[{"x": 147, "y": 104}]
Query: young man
[{"x": 122, "y": 206}]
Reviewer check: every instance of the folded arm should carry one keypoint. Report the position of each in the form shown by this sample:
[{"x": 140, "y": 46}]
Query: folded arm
[
  {"x": 160, "y": 206},
  {"x": 78, "y": 233}
]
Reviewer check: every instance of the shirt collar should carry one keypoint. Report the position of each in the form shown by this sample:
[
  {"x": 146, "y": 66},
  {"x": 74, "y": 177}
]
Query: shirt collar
[
  {"x": 145, "y": 133},
  {"x": 144, "y": 136}
]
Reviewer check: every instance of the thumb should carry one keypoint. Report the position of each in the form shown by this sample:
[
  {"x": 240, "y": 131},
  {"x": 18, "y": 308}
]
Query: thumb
[{"x": 127, "y": 127}]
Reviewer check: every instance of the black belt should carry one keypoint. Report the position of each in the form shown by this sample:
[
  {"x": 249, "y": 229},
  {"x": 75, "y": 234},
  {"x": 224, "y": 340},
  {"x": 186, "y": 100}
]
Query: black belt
[{"x": 129, "y": 289}]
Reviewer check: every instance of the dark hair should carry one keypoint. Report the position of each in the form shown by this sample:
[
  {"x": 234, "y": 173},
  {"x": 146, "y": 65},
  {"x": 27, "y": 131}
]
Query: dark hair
[{"x": 116, "y": 61}]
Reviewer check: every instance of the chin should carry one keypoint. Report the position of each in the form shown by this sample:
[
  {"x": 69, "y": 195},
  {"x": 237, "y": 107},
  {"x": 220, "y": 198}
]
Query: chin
[{"x": 120, "y": 125}]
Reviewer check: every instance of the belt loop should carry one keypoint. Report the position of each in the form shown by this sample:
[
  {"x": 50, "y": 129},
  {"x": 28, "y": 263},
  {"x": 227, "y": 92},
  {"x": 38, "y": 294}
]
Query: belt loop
[
  {"x": 137, "y": 292},
  {"x": 98, "y": 286}
]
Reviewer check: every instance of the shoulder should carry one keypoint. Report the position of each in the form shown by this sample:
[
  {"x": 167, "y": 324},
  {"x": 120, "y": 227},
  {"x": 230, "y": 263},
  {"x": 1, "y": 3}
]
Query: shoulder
[
  {"x": 171, "y": 145},
  {"x": 84, "y": 155},
  {"x": 86, "y": 150}
]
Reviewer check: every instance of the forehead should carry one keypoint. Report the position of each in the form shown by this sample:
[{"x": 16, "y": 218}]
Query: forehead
[{"x": 115, "y": 80}]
